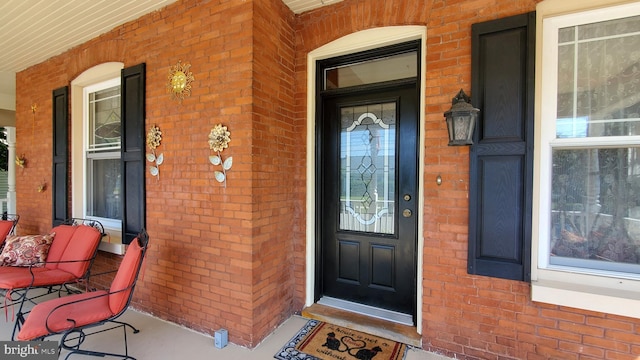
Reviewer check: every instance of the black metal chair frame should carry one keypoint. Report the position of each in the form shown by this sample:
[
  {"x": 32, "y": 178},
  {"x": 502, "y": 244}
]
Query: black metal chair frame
[{"x": 73, "y": 338}]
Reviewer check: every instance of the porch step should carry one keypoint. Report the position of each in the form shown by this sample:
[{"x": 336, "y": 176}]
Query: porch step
[{"x": 383, "y": 328}]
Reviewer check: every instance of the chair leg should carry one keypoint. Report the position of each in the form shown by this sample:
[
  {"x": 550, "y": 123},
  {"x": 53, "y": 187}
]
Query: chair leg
[
  {"x": 133, "y": 329},
  {"x": 17, "y": 325},
  {"x": 73, "y": 344}
]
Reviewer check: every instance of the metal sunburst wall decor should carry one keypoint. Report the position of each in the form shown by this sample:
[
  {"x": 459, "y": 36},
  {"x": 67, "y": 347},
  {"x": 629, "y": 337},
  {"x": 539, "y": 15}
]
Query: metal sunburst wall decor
[{"x": 179, "y": 81}]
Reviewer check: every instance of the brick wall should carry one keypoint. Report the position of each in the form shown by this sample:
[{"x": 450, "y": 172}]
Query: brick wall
[
  {"x": 276, "y": 144},
  {"x": 234, "y": 257},
  {"x": 464, "y": 316},
  {"x": 219, "y": 257}
]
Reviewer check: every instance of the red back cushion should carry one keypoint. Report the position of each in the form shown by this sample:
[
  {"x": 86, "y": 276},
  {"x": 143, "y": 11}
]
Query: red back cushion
[
  {"x": 5, "y": 227},
  {"x": 125, "y": 277},
  {"x": 82, "y": 246},
  {"x": 59, "y": 244}
]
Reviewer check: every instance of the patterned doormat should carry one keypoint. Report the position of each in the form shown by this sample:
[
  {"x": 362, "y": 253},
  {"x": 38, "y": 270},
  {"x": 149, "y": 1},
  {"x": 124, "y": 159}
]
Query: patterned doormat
[{"x": 322, "y": 341}]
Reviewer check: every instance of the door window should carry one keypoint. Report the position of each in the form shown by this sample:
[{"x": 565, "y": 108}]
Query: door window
[{"x": 367, "y": 171}]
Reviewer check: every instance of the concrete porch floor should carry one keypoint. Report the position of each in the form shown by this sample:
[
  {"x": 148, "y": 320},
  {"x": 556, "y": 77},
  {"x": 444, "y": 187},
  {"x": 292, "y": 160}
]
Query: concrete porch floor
[{"x": 159, "y": 340}]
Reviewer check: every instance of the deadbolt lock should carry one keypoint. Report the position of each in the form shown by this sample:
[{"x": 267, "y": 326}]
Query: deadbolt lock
[{"x": 407, "y": 197}]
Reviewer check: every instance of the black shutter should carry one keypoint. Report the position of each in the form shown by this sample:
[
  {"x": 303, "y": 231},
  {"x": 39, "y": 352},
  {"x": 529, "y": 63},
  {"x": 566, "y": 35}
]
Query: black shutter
[
  {"x": 133, "y": 152},
  {"x": 501, "y": 159},
  {"x": 60, "y": 189}
]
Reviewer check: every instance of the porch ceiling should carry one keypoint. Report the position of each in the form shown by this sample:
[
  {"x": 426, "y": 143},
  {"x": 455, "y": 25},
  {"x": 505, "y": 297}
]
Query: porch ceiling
[{"x": 32, "y": 31}]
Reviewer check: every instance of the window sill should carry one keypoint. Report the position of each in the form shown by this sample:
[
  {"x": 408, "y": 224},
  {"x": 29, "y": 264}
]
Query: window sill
[
  {"x": 117, "y": 249},
  {"x": 112, "y": 243},
  {"x": 601, "y": 299}
]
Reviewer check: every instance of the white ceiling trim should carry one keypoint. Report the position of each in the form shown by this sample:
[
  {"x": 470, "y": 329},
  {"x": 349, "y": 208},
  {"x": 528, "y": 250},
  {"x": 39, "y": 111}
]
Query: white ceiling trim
[
  {"x": 36, "y": 30},
  {"x": 32, "y": 31}
]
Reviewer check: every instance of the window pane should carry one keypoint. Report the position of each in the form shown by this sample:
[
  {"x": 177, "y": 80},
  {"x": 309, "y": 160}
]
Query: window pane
[
  {"x": 367, "y": 168},
  {"x": 599, "y": 79},
  {"x": 595, "y": 216},
  {"x": 104, "y": 188},
  {"x": 396, "y": 67},
  {"x": 104, "y": 118}
]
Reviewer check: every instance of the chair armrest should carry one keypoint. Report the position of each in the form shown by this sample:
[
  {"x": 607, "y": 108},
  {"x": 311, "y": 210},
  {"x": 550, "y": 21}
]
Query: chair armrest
[
  {"x": 44, "y": 263},
  {"x": 40, "y": 264}
]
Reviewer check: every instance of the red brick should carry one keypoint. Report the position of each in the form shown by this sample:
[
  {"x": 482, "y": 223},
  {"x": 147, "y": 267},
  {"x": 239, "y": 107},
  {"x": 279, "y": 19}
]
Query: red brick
[{"x": 242, "y": 248}]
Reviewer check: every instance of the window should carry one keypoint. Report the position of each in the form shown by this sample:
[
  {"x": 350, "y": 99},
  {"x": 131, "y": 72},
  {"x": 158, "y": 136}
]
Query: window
[
  {"x": 587, "y": 190},
  {"x": 102, "y": 152},
  {"x": 107, "y": 162}
]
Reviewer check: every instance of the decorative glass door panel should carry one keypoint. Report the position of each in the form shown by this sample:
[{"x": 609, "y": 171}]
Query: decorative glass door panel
[{"x": 367, "y": 171}]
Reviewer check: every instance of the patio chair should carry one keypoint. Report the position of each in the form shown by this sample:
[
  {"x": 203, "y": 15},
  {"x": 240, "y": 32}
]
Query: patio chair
[
  {"x": 73, "y": 248},
  {"x": 8, "y": 224},
  {"x": 80, "y": 315}
]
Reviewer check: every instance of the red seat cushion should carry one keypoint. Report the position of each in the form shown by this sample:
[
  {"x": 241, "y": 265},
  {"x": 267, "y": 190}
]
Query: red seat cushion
[
  {"x": 42, "y": 277},
  {"x": 93, "y": 308},
  {"x": 6, "y": 270}
]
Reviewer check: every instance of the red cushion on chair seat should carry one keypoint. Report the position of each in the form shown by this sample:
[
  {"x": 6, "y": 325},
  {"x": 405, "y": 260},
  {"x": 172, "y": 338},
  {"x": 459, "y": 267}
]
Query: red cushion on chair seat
[
  {"x": 43, "y": 278},
  {"x": 93, "y": 308},
  {"x": 14, "y": 279},
  {"x": 7, "y": 270}
]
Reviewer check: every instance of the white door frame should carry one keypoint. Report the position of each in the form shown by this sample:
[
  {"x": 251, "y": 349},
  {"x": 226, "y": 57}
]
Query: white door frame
[{"x": 356, "y": 42}]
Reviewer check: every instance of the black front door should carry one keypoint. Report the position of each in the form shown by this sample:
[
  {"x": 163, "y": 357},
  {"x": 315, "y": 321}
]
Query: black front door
[{"x": 368, "y": 196}]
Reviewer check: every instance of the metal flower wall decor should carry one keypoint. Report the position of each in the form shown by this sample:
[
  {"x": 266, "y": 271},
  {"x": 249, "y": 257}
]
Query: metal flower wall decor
[
  {"x": 21, "y": 161},
  {"x": 154, "y": 137},
  {"x": 219, "y": 139}
]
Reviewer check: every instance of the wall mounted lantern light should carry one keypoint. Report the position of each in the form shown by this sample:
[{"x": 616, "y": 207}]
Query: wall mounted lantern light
[{"x": 461, "y": 120}]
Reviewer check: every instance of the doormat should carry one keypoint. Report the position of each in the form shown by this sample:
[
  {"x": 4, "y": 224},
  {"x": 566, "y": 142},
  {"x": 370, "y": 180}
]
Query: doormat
[{"x": 318, "y": 340}]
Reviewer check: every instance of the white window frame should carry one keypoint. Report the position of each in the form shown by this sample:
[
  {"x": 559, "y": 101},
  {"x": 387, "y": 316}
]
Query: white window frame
[
  {"x": 589, "y": 289},
  {"x": 94, "y": 75},
  {"x": 95, "y": 153}
]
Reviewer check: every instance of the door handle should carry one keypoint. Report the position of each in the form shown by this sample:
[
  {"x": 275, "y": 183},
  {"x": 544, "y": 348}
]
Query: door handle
[{"x": 406, "y": 213}]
